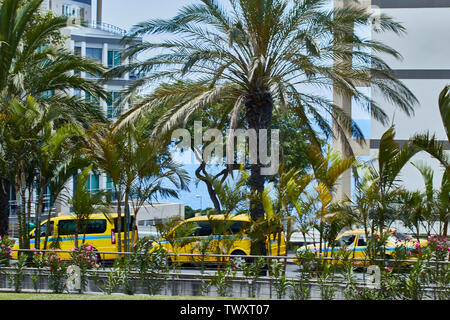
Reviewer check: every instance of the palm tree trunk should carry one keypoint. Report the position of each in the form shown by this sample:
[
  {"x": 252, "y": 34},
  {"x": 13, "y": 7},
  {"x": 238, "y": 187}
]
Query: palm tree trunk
[
  {"x": 259, "y": 108},
  {"x": 119, "y": 221},
  {"x": 4, "y": 207},
  {"x": 40, "y": 205}
]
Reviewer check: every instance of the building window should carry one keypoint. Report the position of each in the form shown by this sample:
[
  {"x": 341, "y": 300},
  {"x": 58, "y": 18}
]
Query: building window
[
  {"x": 93, "y": 183},
  {"x": 71, "y": 11},
  {"x": 90, "y": 98},
  {"x": 114, "y": 58},
  {"x": 113, "y": 111},
  {"x": 48, "y": 94},
  {"x": 94, "y": 53},
  {"x": 110, "y": 188}
]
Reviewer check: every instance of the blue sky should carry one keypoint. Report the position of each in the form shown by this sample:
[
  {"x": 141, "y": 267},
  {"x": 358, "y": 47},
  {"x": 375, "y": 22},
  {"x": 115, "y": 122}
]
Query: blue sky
[{"x": 126, "y": 13}]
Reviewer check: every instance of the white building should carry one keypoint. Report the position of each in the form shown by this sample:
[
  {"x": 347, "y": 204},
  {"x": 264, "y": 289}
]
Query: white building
[{"x": 424, "y": 69}]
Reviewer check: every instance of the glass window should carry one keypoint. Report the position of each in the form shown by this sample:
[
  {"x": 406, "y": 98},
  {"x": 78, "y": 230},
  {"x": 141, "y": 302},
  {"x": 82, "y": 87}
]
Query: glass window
[
  {"x": 94, "y": 53},
  {"x": 114, "y": 58},
  {"x": 110, "y": 187},
  {"x": 113, "y": 111},
  {"x": 362, "y": 240},
  {"x": 44, "y": 229},
  {"x": 130, "y": 225},
  {"x": 238, "y": 226},
  {"x": 233, "y": 227},
  {"x": 204, "y": 228},
  {"x": 345, "y": 241},
  {"x": 67, "y": 227},
  {"x": 90, "y": 98},
  {"x": 186, "y": 230},
  {"x": 96, "y": 226},
  {"x": 93, "y": 183}
]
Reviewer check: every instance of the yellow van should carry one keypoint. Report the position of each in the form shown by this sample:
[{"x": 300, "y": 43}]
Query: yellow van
[
  {"x": 214, "y": 235},
  {"x": 356, "y": 242},
  {"x": 101, "y": 233}
]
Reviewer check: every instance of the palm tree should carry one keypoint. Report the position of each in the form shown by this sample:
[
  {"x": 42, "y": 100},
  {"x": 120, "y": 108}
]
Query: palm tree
[
  {"x": 32, "y": 63},
  {"x": 36, "y": 146},
  {"x": 430, "y": 144},
  {"x": 85, "y": 203},
  {"x": 135, "y": 166},
  {"x": 327, "y": 168},
  {"x": 55, "y": 148},
  {"x": 262, "y": 54}
]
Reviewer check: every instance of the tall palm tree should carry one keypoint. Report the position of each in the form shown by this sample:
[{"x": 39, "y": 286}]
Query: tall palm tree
[
  {"x": 263, "y": 54},
  {"x": 32, "y": 63}
]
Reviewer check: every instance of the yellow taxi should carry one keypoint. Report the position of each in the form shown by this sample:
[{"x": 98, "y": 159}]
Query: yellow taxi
[
  {"x": 213, "y": 235},
  {"x": 101, "y": 232},
  {"x": 355, "y": 242}
]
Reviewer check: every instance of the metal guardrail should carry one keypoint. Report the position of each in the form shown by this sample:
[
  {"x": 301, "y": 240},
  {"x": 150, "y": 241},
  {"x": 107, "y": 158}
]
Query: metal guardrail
[
  {"x": 290, "y": 259},
  {"x": 108, "y": 28}
]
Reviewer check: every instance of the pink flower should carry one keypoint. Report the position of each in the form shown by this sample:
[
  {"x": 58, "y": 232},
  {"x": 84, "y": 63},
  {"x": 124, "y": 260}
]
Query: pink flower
[
  {"x": 134, "y": 245},
  {"x": 438, "y": 247},
  {"x": 73, "y": 249},
  {"x": 417, "y": 244},
  {"x": 89, "y": 247},
  {"x": 388, "y": 269}
]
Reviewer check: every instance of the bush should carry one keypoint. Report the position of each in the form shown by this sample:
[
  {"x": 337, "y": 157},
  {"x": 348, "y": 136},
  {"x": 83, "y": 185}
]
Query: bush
[{"x": 5, "y": 250}]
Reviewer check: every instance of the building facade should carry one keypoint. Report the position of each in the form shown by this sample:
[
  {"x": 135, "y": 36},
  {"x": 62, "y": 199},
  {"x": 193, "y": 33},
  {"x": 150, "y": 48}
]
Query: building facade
[{"x": 424, "y": 69}]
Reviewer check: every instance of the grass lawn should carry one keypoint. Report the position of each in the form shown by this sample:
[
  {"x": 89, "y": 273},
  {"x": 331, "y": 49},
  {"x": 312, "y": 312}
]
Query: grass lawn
[{"x": 50, "y": 296}]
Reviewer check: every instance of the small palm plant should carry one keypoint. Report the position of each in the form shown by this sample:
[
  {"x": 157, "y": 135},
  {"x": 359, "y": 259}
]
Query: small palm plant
[{"x": 85, "y": 203}]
